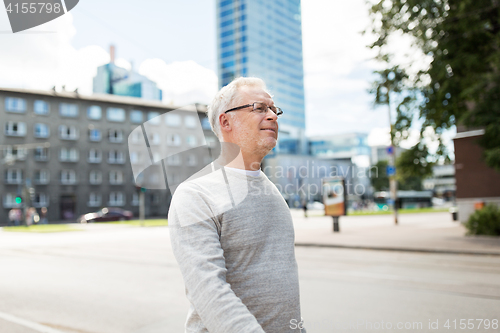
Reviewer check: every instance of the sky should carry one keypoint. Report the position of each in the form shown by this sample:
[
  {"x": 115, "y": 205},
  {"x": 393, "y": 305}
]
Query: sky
[{"x": 174, "y": 44}]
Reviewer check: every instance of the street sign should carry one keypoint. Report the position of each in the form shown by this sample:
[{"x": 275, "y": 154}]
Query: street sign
[{"x": 390, "y": 170}]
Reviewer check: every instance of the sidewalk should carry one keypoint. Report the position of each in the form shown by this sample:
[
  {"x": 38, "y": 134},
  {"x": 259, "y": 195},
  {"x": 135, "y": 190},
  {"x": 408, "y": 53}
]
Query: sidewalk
[{"x": 422, "y": 232}]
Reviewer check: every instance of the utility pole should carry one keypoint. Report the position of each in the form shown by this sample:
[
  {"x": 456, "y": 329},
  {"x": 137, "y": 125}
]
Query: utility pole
[
  {"x": 391, "y": 170},
  {"x": 141, "y": 207}
]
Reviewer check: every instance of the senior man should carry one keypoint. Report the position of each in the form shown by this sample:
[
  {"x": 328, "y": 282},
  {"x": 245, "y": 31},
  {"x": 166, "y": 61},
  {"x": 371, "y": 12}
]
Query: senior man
[{"x": 231, "y": 230}]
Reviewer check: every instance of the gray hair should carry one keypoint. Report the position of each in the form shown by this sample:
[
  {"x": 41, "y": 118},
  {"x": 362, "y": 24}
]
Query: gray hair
[{"x": 228, "y": 98}]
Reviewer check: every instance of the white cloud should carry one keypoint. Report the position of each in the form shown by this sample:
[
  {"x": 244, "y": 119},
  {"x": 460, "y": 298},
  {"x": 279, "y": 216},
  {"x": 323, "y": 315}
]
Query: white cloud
[
  {"x": 337, "y": 68},
  {"x": 42, "y": 60},
  {"x": 331, "y": 35},
  {"x": 43, "y": 57},
  {"x": 380, "y": 136},
  {"x": 182, "y": 82}
]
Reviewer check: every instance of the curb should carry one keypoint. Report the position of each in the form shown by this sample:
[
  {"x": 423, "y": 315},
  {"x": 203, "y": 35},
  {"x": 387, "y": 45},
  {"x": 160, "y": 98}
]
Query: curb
[{"x": 398, "y": 249}]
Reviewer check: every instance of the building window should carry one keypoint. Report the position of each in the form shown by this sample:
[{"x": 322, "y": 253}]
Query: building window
[
  {"x": 41, "y": 200},
  {"x": 42, "y": 177},
  {"x": 156, "y": 157},
  {"x": 41, "y": 107},
  {"x": 68, "y": 177},
  {"x": 225, "y": 3},
  {"x": 68, "y": 110},
  {"x": 68, "y": 132},
  {"x": 205, "y": 124},
  {"x": 136, "y": 137},
  {"x": 41, "y": 154},
  {"x": 42, "y": 131},
  {"x": 191, "y": 140},
  {"x": 14, "y": 153},
  {"x": 191, "y": 160},
  {"x": 155, "y": 198},
  {"x": 115, "y": 114},
  {"x": 95, "y": 156},
  {"x": 135, "y": 199},
  {"x": 116, "y": 157},
  {"x": 174, "y": 140},
  {"x": 115, "y": 177},
  {"x": 173, "y": 120},
  {"x": 94, "y": 135},
  {"x": 154, "y": 139},
  {"x": 17, "y": 105},
  {"x": 190, "y": 121},
  {"x": 115, "y": 136},
  {"x": 95, "y": 177},
  {"x": 154, "y": 118},
  {"x": 135, "y": 157},
  {"x": 13, "y": 176},
  {"x": 94, "y": 112},
  {"x": 68, "y": 155},
  {"x": 116, "y": 199},
  {"x": 94, "y": 200},
  {"x": 154, "y": 178},
  {"x": 136, "y": 116},
  {"x": 211, "y": 141},
  {"x": 207, "y": 160},
  {"x": 14, "y": 128},
  {"x": 174, "y": 160},
  {"x": 9, "y": 201}
]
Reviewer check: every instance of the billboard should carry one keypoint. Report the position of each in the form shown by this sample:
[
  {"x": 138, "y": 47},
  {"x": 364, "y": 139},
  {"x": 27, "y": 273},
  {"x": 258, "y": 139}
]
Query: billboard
[{"x": 334, "y": 196}]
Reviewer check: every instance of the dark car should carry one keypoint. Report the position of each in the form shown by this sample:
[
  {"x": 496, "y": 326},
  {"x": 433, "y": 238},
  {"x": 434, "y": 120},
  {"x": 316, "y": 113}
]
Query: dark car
[{"x": 106, "y": 214}]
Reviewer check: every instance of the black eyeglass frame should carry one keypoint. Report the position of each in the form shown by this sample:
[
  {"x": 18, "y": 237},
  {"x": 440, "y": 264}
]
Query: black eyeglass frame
[{"x": 278, "y": 112}]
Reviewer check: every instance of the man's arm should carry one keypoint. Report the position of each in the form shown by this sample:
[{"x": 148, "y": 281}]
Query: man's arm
[{"x": 197, "y": 248}]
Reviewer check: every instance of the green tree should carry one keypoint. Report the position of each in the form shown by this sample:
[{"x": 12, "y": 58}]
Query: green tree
[
  {"x": 462, "y": 83},
  {"x": 378, "y": 176},
  {"x": 406, "y": 181}
]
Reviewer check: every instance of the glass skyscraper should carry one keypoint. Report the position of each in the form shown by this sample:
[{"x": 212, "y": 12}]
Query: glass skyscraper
[{"x": 263, "y": 38}]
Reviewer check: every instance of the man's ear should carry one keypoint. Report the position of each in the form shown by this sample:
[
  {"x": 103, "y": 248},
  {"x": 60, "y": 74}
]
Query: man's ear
[{"x": 224, "y": 123}]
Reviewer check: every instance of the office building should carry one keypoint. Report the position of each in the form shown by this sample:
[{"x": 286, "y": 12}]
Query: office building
[
  {"x": 264, "y": 39},
  {"x": 70, "y": 153},
  {"x": 381, "y": 153},
  {"x": 114, "y": 80},
  {"x": 352, "y": 153},
  {"x": 442, "y": 182}
]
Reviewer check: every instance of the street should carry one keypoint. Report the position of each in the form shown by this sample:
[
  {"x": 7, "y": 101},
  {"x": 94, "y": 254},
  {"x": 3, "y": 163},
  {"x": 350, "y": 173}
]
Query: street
[{"x": 113, "y": 279}]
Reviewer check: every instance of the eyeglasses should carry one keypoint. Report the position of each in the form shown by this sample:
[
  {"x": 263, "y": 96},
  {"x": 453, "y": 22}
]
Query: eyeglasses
[{"x": 259, "y": 107}]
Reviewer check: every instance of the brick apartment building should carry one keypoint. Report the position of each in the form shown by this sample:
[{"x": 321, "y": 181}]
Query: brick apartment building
[{"x": 477, "y": 184}]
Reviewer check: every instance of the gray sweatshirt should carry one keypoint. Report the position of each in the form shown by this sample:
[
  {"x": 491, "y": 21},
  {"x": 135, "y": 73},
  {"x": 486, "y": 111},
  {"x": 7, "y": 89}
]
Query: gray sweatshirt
[{"x": 233, "y": 237}]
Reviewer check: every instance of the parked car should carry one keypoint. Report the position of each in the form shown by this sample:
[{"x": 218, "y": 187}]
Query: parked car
[
  {"x": 316, "y": 205},
  {"x": 106, "y": 214}
]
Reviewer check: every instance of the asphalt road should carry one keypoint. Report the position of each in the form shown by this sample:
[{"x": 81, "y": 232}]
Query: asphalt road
[{"x": 121, "y": 280}]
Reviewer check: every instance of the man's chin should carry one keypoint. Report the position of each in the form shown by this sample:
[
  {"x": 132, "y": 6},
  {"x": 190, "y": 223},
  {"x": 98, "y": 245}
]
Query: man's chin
[{"x": 269, "y": 143}]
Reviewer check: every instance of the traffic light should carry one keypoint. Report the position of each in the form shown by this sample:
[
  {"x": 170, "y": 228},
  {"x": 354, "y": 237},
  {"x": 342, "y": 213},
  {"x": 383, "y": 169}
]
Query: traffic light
[
  {"x": 19, "y": 200},
  {"x": 140, "y": 189}
]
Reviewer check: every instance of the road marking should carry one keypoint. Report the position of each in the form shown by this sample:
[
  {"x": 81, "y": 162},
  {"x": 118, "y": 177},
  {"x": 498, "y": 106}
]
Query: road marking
[{"x": 30, "y": 324}]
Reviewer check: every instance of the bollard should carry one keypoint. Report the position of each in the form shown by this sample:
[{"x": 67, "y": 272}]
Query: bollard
[{"x": 336, "y": 224}]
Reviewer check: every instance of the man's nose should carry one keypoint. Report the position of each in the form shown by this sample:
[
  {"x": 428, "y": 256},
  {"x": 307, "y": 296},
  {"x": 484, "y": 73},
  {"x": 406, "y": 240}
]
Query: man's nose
[{"x": 270, "y": 115}]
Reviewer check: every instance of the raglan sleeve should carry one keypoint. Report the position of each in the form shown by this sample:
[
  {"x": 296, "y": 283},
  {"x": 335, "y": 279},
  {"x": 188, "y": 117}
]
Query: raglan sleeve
[{"x": 196, "y": 246}]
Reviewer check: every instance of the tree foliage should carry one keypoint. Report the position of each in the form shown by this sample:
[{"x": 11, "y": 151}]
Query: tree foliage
[
  {"x": 485, "y": 221},
  {"x": 462, "y": 84},
  {"x": 413, "y": 163},
  {"x": 406, "y": 181},
  {"x": 379, "y": 178}
]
